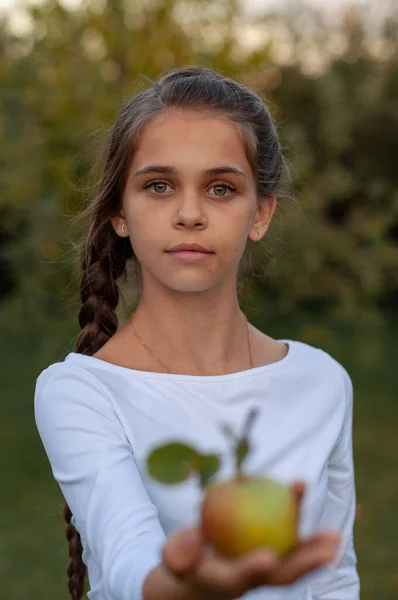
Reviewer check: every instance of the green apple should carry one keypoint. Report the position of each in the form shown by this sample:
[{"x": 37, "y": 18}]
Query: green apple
[
  {"x": 238, "y": 515},
  {"x": 245, "y": 513}
]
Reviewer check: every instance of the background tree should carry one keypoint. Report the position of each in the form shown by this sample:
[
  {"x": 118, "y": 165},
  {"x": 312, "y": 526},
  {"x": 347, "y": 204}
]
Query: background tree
[{"x": 62, "y": 84}]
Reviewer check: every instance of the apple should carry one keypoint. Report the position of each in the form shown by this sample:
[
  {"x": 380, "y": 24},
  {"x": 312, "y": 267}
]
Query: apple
[
  {"x": 242, "y": 513},
  {"x": 246, "y": 512}
]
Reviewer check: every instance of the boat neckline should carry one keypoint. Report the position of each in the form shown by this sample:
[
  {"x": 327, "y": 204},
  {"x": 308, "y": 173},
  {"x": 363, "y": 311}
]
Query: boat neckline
[{"x": 103, "y": 364}]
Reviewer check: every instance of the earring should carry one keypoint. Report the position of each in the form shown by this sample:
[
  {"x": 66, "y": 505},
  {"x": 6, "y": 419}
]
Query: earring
[
  {"x": 122, "y": 227},
  {"x": 257, "y": 232}
]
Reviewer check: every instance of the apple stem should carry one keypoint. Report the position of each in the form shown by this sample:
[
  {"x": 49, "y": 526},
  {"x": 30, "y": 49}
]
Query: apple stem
[
  {"x": 243, "y": 444},
  {"x": 251, "y": 417}
]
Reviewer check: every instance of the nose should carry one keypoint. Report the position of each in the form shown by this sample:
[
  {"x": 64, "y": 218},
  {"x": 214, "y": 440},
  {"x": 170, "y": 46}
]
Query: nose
[{"x": 190, "y": 211}]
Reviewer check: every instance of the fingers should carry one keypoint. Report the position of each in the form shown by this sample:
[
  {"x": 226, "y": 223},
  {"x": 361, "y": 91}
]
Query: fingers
[
  {"x": 233, "y": 577},
  {"x": 252, "y": 571},
  {"x": 265, "y": 567},
  {"x": 183, "y": 551},
  {"x": 309, "y": 555},
  {"x": 188, "y": 557}
]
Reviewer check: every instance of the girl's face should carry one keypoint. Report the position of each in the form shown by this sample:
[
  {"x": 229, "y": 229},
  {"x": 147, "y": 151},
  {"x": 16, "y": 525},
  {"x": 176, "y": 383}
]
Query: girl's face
[{"x": 190, "y": 182}]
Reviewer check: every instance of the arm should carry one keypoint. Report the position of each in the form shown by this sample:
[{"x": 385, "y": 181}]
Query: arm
[
  {"x": 340, "y": 580},
  {"x": 92, "y": 461}
]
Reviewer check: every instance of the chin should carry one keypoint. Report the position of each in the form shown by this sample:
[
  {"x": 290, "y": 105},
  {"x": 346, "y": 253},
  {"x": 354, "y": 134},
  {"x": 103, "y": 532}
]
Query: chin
[
  {"x": 195, "y": 285},
  {"x": 187, "y": 288}
]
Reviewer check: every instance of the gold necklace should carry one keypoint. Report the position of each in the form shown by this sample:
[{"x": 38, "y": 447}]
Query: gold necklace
[{"x": 167, "y": 368}]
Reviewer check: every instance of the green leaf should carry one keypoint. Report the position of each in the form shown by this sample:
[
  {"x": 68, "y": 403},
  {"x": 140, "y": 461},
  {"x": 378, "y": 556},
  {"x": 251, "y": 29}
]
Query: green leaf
[
  {"x": 207, "y": 466},
  {"x": 171, "y": 463}
]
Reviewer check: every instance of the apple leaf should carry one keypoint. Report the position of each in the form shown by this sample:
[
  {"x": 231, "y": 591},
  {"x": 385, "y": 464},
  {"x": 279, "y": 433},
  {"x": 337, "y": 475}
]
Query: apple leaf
[
  {"x": 207, "y": 466},
  {"x": 172, "y": 463}
]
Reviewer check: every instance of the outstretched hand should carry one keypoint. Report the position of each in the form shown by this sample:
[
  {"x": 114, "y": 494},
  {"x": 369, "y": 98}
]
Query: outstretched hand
[{"x": 208, "y": 575}]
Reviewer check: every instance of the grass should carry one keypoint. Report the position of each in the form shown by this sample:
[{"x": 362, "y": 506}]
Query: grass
[{"x": 33, "y": 551}]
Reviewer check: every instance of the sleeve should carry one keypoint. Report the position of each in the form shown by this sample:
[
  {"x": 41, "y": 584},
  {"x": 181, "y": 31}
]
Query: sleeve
[
  {"x": 93, "y": 463},
  {"x": 339, "y": 580}
]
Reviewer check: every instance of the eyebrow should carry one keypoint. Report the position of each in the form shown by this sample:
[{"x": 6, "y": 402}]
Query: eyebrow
[{"x": 171, "y": 171}]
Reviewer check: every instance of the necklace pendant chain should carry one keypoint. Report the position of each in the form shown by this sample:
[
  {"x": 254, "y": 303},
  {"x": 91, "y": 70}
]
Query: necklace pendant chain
[
  {"x": 249, "y": 344},
  {"x": 147, "y": 347},
  {"x": 165, "y": 366}
]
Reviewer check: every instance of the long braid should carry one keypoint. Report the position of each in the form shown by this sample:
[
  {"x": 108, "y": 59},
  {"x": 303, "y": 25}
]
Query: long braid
[
  {"x": 76, "y": 570},
  {"x": 103, "y": 261}
]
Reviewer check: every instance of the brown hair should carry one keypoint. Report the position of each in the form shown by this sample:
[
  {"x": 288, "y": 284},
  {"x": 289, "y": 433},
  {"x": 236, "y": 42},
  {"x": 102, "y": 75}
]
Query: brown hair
[{"x": 103, "y": 254}]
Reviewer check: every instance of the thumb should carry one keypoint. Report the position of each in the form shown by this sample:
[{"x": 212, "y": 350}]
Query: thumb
[{"x": 183, "y": 550}]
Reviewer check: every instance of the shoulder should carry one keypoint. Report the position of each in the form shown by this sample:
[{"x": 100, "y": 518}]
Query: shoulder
[
  {"x": 322, "y": 367},
  {"x": 74, "y": 414},
  {"x": 306, "y": 363},
  {"x": 317, "y": 355},
  {"x": 305, "y": 355},
  {"x": 66, "y": 373},
  {"x": 65, "y": 386}
]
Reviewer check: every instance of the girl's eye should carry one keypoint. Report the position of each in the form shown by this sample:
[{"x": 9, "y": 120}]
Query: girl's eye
[
  {"x": 159, "y": 187},
  {"x": 221, "y": 189}
]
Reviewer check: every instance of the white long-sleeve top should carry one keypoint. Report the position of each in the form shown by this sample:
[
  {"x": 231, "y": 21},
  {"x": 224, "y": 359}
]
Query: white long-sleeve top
[{"x": 98, "y": 422}]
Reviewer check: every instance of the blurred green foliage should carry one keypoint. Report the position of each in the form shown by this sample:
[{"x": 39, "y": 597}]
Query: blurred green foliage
[
  {"x": 62, "y": 84},
  {"x": 331, "y": 272}
]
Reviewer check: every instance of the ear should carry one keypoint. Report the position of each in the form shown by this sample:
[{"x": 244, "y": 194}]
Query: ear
[
  {"x": 263, "y": 217},
  {"x": 117, "y": 223}
]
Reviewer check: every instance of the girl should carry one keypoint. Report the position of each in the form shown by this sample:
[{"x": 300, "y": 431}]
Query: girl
[{"x": 193, "y": 171}]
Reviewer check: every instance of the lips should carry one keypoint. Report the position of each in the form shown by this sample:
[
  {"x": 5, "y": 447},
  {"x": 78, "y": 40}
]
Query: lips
[{"x": 190, "y": 248}]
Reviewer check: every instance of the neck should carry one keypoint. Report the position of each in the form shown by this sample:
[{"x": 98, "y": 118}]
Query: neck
[{"x": 197, "y": 334}]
